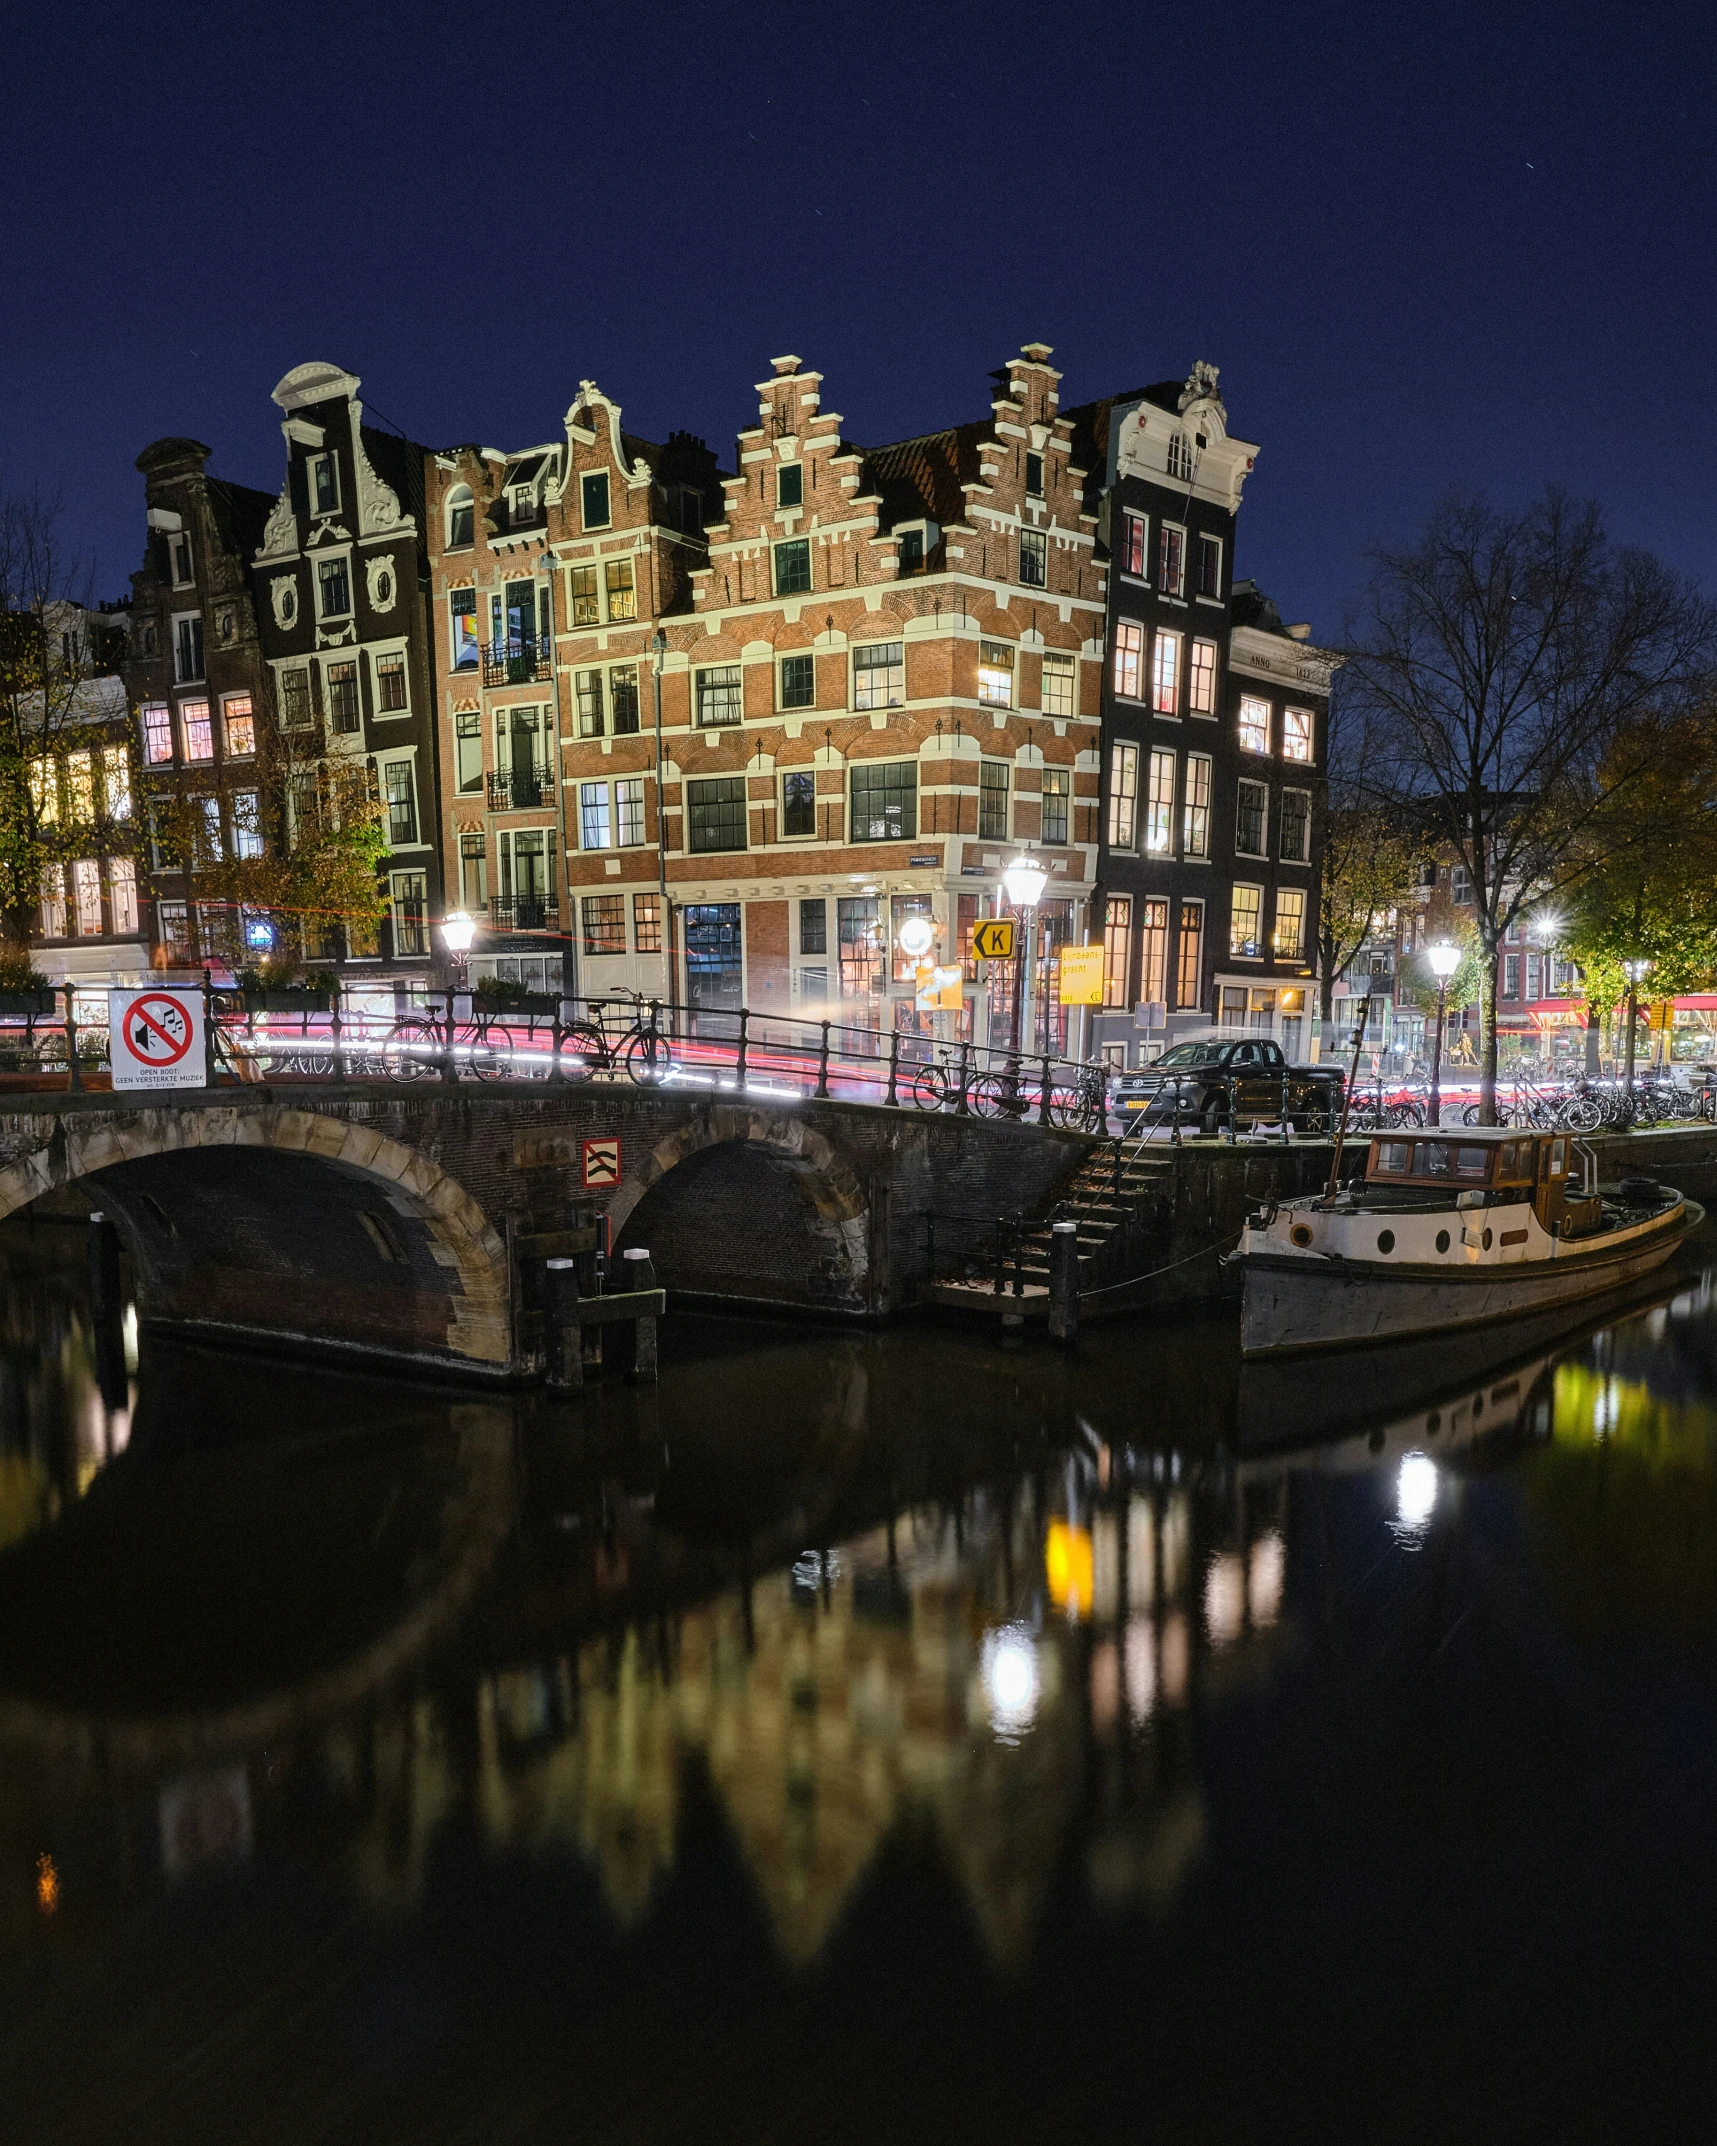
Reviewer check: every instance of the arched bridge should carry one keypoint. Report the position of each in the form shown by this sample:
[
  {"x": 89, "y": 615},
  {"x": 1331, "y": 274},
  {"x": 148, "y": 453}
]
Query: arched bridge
[{"x": 368, "y": 1221}]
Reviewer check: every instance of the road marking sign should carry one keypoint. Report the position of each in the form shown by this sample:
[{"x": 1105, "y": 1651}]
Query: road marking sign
[
  {"x": 1082, "y": 976},
  {"x": 155, "y": 1038},
  {"x": 993, "y": 939},
  {"x": 602, "y": 1161}
]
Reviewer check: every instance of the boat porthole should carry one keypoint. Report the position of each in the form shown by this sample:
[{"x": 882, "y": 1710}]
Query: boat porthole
[
  {"x": 1386, "y": 1240},
  {"x": 1442, "y": 1240},
  {"x": 1300, "y": 1234},
  {"x": 1485, "y": 1240}
]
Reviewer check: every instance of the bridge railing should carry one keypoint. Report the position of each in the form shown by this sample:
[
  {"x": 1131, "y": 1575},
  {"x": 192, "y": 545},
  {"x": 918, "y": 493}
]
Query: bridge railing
[{"x": 300, "y": 1037}]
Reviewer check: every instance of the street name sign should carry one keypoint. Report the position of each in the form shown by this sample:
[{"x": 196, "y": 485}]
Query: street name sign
[
  {"x": 155, "y": 1038},
  {"x": 993, "y": 939}
]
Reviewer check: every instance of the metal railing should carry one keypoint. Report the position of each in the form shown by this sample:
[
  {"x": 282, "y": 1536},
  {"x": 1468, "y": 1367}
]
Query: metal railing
[
  {"x": 519, "y": 789},
  {"x": 517, "y": 663}
]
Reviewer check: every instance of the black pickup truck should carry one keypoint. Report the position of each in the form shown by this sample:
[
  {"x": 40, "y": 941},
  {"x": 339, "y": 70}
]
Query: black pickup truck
[{"x": 1197, "y": 1083}]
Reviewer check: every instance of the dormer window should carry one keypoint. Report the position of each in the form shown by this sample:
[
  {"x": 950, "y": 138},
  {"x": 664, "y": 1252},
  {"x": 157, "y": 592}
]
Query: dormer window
[
  {"x": 1034, "y": 476},
  {"x": 522, "y": 502},
  {"x": 324, "y": 484},
  {"x": 790, "y": 485},
  {"x": 911, "y": 550},
  {"x": 461, "y": 517},
  {"x": 179, "y": 551},
  {"x": 1180, "y": 458}
]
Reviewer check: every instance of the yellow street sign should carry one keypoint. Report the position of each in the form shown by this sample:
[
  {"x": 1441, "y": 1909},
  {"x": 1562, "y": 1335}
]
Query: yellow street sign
[
  {"x": 1082, "y": 976},
  {"x": 993, "y": 939},
  {"x": 938, "y": 988}
]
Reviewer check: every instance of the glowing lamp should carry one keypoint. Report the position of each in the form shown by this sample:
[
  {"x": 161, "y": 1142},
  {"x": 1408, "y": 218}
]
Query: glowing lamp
[
  {"x": 916, "y": 936},
  {"x": 1025, "y": 880},
  {"x": 1444, "y": 960},
  {"x": 458, "y": 930}
]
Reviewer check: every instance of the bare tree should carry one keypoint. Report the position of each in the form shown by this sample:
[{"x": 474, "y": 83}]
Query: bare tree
[
  {"x": 1368, "y": 857},
  {"x": 1519, "y": 672}
]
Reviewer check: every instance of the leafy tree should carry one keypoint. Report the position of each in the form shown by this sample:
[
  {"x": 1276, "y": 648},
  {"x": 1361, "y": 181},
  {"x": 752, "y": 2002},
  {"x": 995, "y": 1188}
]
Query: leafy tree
[
  {"x": 1520, "y": 674},
  {"x": 1368, "y": 857}
]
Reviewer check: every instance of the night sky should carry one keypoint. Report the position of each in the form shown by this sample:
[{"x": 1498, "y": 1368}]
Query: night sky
[{"x": 1426, "y": 246}]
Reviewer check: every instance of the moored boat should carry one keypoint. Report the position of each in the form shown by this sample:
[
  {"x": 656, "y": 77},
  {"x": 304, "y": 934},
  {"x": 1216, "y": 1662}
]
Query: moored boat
[{"x": 1450, "y": 1230}]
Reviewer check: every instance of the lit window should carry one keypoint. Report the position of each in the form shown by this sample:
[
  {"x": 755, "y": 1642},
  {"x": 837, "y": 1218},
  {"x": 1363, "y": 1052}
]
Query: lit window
[
  {"x": 86, "y": 896},
  {"x": 1034, "y": 558},
  {"x": 622, "y": 594},
  {"x": 1296, "y": 734},
  {"x": 80, "y": 787},
  {"x": 240, "y": 726},
  {"x": 1153, "y": 951},
  {"x": 647, "y": 923},
  {"x": 468, "y": 750},
  {"x": 333, "y": 588},
  {"x": 595, "y": 497},
  {"x": 1189, "y": 981},
  {"x": 584, "y": 606},
  {"x": 197, "y": 730},
  {"x": 1123, "y": 795},
  {"x": 1290, "y": 935},
  {"x": 462, "y": 616},
  {"x": 45, "y": 790},
  {"x": 629, "y": 811},
  {"x": 879, "y": 675},
  {"x": 1117, "y": 948},
  {"x": 798, "y": 804},
  {"x": 211, "y": 846},
  {"x": 587, "y": 692},
  {"x": 1057, "y": 796},
  {"x": 793, "y": 567},
  {"x": 1171, "y": 560},
  {"x": 1201, "y": 684},
  {"x": 390, "y": 685},
  {"x": 1252, "y": 808},
  {"x": 1060, "y": 680},
  {"x": 53, "y": 901},
  {"x": 885, "y": 801},
  {"x": 604, "y": 917},
  {"x": 1195, "y": 809},
  {"x": 1159, "y": 805},
  {"x": 1133, "y": 545},
  {"x": 996, "y": 674},
  {"x": 720, "y": 695},
  {"x": 1245, "y": 921},
  {"x": 247, "y": 824},
  {"x": 992, "y": 801},
  {"x": 593, "y": 815},
  {"x": 122, "y": 893},
  {"x": 116, "y": 780},
  {"x": 1129, "y": 657},
  {"x": 1165, "y": 674},
  {"x": 790, "y": 485},
  {"x": 1254, "y": 724},
  {"x": 1297, "y": 826},
  {"x": 799, "y": 681},
  {"x": 157, "y": 735}
]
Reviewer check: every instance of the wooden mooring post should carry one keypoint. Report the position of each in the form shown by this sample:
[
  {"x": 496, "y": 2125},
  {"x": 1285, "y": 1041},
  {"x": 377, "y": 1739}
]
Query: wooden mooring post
[{"x": 567, "y": 1314}]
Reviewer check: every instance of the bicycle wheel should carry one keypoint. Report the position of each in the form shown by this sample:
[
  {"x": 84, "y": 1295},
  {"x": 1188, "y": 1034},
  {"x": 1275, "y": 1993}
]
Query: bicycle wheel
[
  {"x": 583, "y": 1053},
  {"x": 1406, "y": 1113},
  {"x": 412, "y": 1050},
  {"x": 931, "y": 1088},
  {"x": 993, "y": 1095},
  {"x": 648, "y": 1057},
  {"x": 1583, "y": 1115}
]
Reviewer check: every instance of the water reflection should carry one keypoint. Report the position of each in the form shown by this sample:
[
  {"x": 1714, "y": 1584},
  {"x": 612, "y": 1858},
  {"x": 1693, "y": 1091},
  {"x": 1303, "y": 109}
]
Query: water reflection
[{"x": 824, "y": 1608}]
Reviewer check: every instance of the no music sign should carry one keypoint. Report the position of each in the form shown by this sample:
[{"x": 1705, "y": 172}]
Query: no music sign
[{"x": 156, "y": 1038}]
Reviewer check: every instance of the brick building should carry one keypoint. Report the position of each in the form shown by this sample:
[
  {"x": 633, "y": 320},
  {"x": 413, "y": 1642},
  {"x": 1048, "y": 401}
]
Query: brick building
[
  {"x": 1215, "y": 718},
  {"x": 877, "y": 675}
]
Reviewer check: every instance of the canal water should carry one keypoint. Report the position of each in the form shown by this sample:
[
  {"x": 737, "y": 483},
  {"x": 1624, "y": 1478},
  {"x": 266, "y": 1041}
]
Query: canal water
[{"x": 916, "y": 1736}]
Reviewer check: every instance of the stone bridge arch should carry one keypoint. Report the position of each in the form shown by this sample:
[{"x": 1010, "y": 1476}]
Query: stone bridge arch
[
  {"x": 290, "y": 1225},
  {"x": 751, "y": 1204}
]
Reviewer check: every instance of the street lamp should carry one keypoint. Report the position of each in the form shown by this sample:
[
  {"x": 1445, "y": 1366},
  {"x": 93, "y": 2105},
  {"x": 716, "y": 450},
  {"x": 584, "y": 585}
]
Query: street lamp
[
  {"x": 1025, "y": 880},
  {"x": 457, "y": 931},
  {"x": 1635, "y": 971},
  {"x": 917, "y": 935},
  {"x": 1444, "y": 960}
]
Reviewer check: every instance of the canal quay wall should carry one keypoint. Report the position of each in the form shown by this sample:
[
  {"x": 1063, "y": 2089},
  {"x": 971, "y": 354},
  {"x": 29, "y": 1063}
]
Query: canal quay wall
[{"x": 364, "y": 1220}]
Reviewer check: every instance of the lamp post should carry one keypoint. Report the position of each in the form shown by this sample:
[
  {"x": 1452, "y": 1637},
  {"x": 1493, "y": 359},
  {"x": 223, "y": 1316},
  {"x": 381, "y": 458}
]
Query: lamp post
[
  {"x": 1635, "y": 971},
  {"x": 1025, "y": 880},
  {"x": 457, "y": 932},
  {"x": 1444, "y": 960}
]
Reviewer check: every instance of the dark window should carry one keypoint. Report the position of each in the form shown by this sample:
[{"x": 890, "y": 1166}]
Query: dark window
[
  {"x": 992, "y": 801},
  {"x": 799, "y": 806},
  {"x": 343, "y": 696},
  {"x": 604, "y": 923},
  {"x": 715, "y": 813},
  {"x": 325, "y": 484},
  {"x": 691, "y": 521},
  {"x": 911, "y": 549},
  {"x": 401, "y": 803},
  {"x": 798, "y": 682},
  {"x": 334, "y": 587},
  {"x": 1057, "y": 787},
  {"x": 1034, "y": 558},
  {"x": 1253, "y": 803},
  {"x": 793, "y": 567},
  {"x": 1296, "y": 826},
  {"x": 623, "y": 698},
  {"x": 814, "y": 927},
  {"x": 1209, "y": 566},
  {"x": 460, "y": 518},
  {"x": 190, "y": 648},
  {"x": 390, "y": 684},
  {"x": 885, "y": 801},
  {"x": 596, "y": 500},
  {"x": 1034, "y": 475},
  {"x": 790, "y": 485}
]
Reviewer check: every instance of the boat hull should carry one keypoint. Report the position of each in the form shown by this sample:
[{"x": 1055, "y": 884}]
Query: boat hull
[{"x": 1297, "y": 1304}]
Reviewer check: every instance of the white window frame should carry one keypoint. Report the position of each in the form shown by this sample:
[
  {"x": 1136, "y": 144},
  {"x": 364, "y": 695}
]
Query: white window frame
[
  {"x": 1165, "y": 530},
  {"x": 1197, "y": 797},
  {"x": 122, "y": 894},
  {"x": 1254, "y": 701},
  {"x": 1057, "y": 663},
  {"x": 228, "y": 701},
  {"x": 1208, "y": 671},
  {"x": 1141, "y": 573},
  {"x": 1166, "y": 643},
  {"x": 1295, "y": 758},
  {"x": 383, "y": 761},
  {"x": 176, "y": 580},
  {"x": 1239, "y": 887},
  {"x": 209, "y": 758},
  {"x": 1201, "y": 538},
  {"x": 337, "y": 554},
  {"x": 1124, "y": 797},
  {"x": 594, "y": 798},
  {"x": 1129, "y": 658},
  {"x": 181, "y": 678},
  {"x": 630, "y": 783},
  {"x": 1291, "y": 896},
  {"x": 379, "y": 652},
  {"x": 329, "y": 461},
  {"x": 1159, "y": 803},
  {"x": 585, "y": 477}
]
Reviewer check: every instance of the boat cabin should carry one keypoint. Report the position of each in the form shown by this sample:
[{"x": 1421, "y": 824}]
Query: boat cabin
[{"x": 1495, "y": 1165}]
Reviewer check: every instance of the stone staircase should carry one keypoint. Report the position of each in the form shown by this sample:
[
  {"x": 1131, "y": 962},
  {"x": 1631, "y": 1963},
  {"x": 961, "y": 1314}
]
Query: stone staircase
[{"x": 1119, "y": 1198}]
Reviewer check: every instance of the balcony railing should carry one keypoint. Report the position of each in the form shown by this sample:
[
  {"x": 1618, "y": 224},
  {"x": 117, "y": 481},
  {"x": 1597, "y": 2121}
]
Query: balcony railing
[
  {"x": 517, "y": 663},
  {"x": 524, "y": 912},
  {"x": 518, "y": 790}
]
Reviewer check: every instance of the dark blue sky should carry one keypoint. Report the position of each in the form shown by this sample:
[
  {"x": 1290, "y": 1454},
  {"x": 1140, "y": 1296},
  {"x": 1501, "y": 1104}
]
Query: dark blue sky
[{"x": 1425, "y": 245}]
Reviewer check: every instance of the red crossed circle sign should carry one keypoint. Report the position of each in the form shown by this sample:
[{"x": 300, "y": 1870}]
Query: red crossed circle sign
[{"x": 157, "y": 1029}]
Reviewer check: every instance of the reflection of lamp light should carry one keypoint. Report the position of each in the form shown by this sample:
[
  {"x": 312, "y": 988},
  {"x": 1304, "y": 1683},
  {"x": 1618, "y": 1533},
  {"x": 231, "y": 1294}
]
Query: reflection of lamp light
[
  {"x": 916, "y": 936},
  {"x": 1068, "y": 1566},
  {"x": 1416, "y": 1491},
  {"x": 1444, "y": 960},
  {"x": 1011, "y": 1681}
]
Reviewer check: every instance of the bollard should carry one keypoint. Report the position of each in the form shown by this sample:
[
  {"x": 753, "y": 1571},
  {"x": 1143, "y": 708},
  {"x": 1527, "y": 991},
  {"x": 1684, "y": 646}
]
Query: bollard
[
  {"x": 638, "y": 1271},
  {"x": 823, "y": 1067},
  {"x": 892, "y": 1098},
  {"x": 563, "y": 1338},
  {"x": 744, "y": 1045},
  {"x": 1063, "y": 1280}
]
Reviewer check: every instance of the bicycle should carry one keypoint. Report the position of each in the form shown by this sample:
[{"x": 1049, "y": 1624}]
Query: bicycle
[
  {"x": 1082, "y": 1107},
  {"x": 642, "y": 1050},
  {"x": 1001, "y": 1095},
  {"x": 936, "y": 1086}
]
